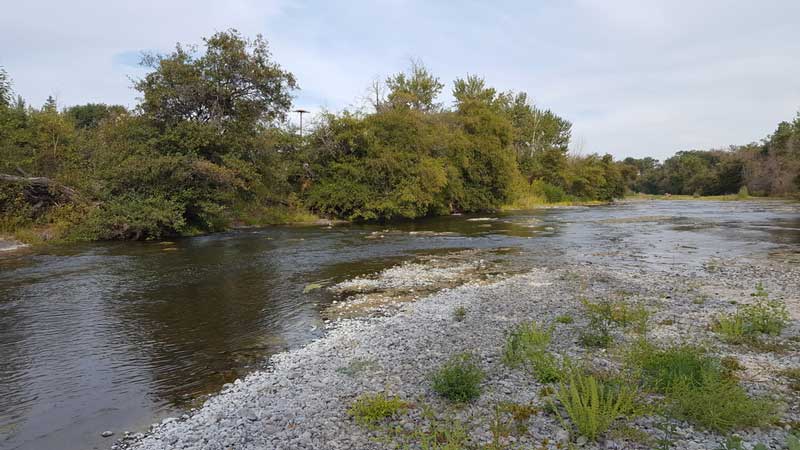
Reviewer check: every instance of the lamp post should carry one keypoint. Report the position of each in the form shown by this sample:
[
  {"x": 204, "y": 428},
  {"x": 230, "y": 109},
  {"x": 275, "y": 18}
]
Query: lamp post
[{"x": 301, "y": 112}]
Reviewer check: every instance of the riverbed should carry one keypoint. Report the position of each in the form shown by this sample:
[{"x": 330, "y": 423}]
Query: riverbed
[{"x": 114, "y": 336}]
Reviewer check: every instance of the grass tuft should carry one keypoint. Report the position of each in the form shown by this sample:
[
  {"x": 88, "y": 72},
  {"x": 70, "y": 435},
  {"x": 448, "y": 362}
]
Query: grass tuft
[
  {"x": 459, "y": 314},
  {"x": 699, "y": 388},
  {"x": 459, "y": 379},
  {"x": 749, "y": 322}
]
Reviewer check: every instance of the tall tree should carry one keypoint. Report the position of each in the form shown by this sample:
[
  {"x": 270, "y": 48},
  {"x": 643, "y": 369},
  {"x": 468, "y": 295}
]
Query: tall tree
[{"x": 416, "y": 90}]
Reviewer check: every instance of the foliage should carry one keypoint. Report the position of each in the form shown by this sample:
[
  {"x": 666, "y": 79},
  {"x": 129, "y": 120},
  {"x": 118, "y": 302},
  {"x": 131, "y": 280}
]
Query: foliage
[
  {"x": 565, "y": 319},
  {"x": 698, "y": 388},
  {"x": 592, "y": 404},
  {"x": 765, "y": 317},
  {"x": 459, "y": 314},
  {"x": 526, "y": 339},
  {"x": 372, "y": 408},
  {"x": 459, "y": 379}
]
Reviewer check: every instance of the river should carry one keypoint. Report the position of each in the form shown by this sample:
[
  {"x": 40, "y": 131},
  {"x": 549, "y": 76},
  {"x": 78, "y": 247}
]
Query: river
[{"x": 113, "y": 336}]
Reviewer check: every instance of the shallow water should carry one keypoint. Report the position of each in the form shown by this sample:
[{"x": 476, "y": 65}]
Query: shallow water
[{"x": 113, "y": 336}]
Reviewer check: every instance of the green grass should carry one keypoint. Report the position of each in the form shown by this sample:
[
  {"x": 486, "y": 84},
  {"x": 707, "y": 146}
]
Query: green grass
[
  {"x": 526, "y": 345},
  {"x": 459, "y": 314},
  {"x": 459, "y": 379},
  {"x": 698, "y": 388},
  {"x": 370, "y": 409},
  {"x": 565, "y": 319},
  {"x": 526, "y": 339},
  {"x": 749, "y": 322},
  {"x": 591, "y": 404},
  {"x": 606, "y": 315}
]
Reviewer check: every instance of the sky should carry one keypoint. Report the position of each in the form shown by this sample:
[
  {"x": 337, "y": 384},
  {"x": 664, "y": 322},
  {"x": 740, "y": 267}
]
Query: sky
[{"x": 635, "y": 77}]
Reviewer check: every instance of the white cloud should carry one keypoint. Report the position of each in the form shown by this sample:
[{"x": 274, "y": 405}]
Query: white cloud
[{"x": 635, "y": 77}]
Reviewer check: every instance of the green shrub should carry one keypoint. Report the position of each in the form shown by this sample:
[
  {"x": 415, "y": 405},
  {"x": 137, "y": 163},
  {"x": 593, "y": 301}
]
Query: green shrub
[
  {"x": 371, "y": 408},
  {"x": 459, "y": 379},
  {"x": 459, "y": 314},
  {"x": 662, "y": 368},
  {"x": 743, "y": 193},
  {"x": 593, "y": 405}
]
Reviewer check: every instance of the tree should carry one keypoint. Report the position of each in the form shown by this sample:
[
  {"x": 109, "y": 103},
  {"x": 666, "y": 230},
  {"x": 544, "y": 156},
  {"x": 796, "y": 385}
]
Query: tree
[
  {"x": 5, "y": 89},
  {"x": 234, "y": 86},
  {"x": 416, "y": 90}
]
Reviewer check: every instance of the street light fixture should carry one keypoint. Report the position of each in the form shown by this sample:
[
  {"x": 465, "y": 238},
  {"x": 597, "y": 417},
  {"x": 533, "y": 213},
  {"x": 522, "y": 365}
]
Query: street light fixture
[{"x": 301, "y": 112}]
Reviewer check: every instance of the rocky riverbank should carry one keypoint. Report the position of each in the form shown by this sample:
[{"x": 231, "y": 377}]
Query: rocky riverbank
[{"x": 302, "y": 400}]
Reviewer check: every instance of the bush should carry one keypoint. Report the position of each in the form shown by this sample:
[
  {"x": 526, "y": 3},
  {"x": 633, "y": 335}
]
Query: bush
[
  {"x": 592, "y": 405},
  {"x": 459, "y": 314},
  {"x": 371, "y": 408},
  {"x": 743, "y": 193},
  {"x": 459, "y": 379}
]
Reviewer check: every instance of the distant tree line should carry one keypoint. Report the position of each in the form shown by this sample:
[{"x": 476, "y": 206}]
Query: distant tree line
[
  {"x": 768, "y": 168},
  {"x": 209, "y": 146}
]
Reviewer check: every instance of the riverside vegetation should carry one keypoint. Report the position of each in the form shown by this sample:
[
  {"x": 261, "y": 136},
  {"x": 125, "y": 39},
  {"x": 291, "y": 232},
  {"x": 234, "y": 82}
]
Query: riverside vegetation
[
  {"x": 208, "y": 147},
  {"x": 681, "y": 381}
]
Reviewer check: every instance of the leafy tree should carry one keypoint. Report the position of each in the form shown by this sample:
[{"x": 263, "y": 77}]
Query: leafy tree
[
  {"x": 234, "y": 86},
  {"x": 416, "y": 90}
]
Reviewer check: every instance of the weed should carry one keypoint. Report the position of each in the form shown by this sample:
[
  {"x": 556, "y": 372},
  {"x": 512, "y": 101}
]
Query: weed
[
  {"x": 565, "y": 319},
  {"x": 459, "y": 379},
  {"x": 665, "y": 442},
  {"x": 593, "y": 405},
  {"x": 369, "y": 409},
  {"x": 598, "y": 335},
  {"x": 698, "y": 388},
  {"x": 605, "y": 315},
  {"x": 765, "y": 317},
  {"x": 760, "y": 291},
  {"x": 525, "y": 339},
  {"x": 459, "y": 314},
  {"x": 667, "y": 322}
]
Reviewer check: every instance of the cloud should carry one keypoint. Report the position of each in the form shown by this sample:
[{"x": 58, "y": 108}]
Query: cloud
[{"x": 635, "y": 78}]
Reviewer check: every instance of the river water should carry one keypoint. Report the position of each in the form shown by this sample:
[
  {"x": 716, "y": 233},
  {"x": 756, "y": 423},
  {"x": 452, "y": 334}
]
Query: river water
[{"x": 113, "y": 336}]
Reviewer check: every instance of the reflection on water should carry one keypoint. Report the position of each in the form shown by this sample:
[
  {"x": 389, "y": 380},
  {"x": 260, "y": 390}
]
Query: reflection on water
[{"x": 112, "y": 336}]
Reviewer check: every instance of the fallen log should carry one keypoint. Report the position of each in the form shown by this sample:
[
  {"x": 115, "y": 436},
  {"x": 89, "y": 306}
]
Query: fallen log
[{"x": 38, "y": 189}]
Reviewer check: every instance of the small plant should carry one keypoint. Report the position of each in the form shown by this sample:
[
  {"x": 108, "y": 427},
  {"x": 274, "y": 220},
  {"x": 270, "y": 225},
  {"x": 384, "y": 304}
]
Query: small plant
[
  {"x": 527, "y": 345},
  {"x": 598, "y": 336},
  {"x": 459, "y": 379},
  {"x": 765, "y": 317},
  {"x": 698, "y": 388},
  {"x": 760, "y": 291},
  {"x": 565, "y": 319},
  {"x": 665, "y": 442},
  {"x": 593, "y": 405},
  {"x": 369, "y": 409},
  {"x": 526, "y": 339},
  {"x": 459, "y": 314}
]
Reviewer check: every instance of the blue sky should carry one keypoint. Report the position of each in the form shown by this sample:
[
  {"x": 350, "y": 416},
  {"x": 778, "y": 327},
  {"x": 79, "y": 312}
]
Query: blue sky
[{"x": 636, "y": 78}]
